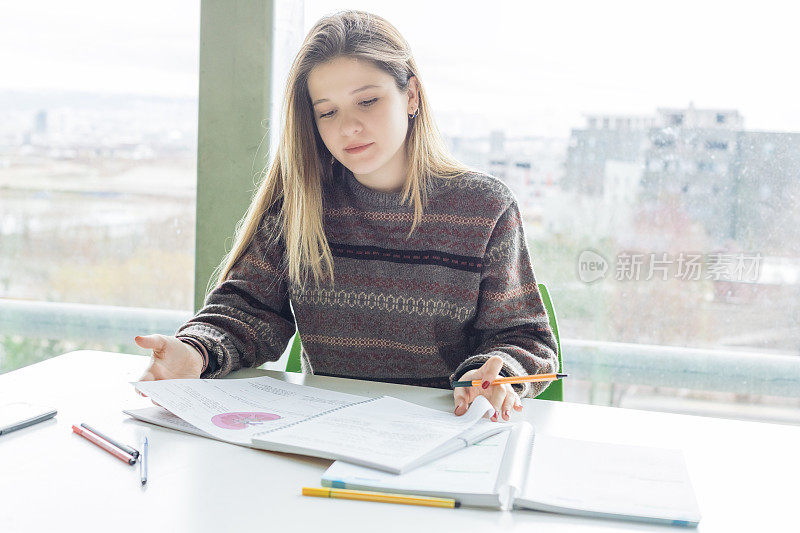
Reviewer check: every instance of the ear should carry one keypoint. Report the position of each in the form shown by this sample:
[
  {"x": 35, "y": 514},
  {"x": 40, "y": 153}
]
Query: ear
[{"x": 413, "y": 94}]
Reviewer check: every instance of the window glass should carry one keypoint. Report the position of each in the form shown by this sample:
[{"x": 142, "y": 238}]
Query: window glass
[
  {"x": 98, "y": 149},
  {"x": 628, "y": 153}
]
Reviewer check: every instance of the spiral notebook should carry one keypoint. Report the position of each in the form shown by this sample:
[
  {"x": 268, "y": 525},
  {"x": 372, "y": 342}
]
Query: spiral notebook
[
  {"x": 383, "y": 433},
  {"x": 517, "y": 469}
]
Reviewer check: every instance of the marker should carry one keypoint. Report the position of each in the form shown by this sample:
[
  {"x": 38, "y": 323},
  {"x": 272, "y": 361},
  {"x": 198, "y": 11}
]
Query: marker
[
  {"x": 126, "y": 449},
  {"x": 511, "y": 380},
  {"x": 348, "y": 494},
  {"x": 113, "y": 450},
  {"x": 143, "y": 462}
]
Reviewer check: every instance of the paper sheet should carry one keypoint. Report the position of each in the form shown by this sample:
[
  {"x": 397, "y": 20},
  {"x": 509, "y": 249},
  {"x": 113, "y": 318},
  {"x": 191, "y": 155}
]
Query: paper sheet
[
  {"x": 386, "y": 431},
  {"x": 236, "y": 409},
  {"x": 473, "y": 469},
  {"x": 161, "y": 417},
  {"x": 606, "y": 478}
]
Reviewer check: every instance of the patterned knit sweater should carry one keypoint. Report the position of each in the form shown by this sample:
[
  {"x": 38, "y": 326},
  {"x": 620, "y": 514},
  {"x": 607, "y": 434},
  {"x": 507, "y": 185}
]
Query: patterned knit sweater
[{"x": 421, "y": 310}]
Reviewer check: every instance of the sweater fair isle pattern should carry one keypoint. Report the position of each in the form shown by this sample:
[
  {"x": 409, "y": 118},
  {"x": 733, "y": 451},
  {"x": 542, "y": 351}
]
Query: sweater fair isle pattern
[{"x": 419, "y": 311}]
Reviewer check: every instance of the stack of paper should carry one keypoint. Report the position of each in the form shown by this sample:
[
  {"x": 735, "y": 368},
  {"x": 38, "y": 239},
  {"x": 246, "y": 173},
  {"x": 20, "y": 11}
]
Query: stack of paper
[
  {"x": 384, "y": 433},
  {"x": 519, "y": 469}
]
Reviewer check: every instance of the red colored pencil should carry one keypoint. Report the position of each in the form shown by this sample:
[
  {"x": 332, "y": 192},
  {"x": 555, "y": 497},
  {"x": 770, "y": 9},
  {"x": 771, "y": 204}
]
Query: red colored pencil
[{"x": 110, "y": 448}]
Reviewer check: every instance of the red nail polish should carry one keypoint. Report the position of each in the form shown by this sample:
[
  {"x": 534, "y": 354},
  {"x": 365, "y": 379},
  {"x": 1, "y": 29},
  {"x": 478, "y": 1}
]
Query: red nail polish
[
  {"x": 505, "y": 414},
  {"x": 486, "y": 384}
]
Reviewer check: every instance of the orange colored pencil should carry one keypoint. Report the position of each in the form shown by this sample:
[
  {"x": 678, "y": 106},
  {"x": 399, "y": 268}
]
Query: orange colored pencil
[{"x": 511, "y": 380}]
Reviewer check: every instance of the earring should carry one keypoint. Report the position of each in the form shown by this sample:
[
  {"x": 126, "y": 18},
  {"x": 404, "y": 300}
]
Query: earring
[
  {"x": 415, "y": 114},
  {"x": 333, "y": 160}
]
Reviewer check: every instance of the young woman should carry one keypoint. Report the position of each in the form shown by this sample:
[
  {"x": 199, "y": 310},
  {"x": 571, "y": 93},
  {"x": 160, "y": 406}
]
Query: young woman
[{"x": 420, "y": 269}]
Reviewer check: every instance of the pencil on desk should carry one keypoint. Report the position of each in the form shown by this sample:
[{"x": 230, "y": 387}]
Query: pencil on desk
[
  {"x": 143, "y": 461},
  {"x": 124, "y": 448},
  {"x": 511, "y": 380},
  {"x": 110, "y": 448},
  {"x": 385, "y": 497}
]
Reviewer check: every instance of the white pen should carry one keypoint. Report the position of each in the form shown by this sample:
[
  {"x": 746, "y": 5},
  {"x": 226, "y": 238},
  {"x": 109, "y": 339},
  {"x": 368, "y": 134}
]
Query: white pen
[{"x": 143, "y": 462}]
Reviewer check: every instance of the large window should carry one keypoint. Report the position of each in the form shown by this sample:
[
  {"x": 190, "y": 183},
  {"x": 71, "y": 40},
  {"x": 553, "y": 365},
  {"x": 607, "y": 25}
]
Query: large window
[
  {"x": 98, "y": 144},
  {"x": 653, "y": 150},
  {"x": 655, "y": 154}
]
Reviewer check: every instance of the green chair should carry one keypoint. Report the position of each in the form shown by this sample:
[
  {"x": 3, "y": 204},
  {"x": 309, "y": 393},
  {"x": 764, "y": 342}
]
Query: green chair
[
  {"x": 293, "y": 363},
  {"x": 555, "y": 391}
]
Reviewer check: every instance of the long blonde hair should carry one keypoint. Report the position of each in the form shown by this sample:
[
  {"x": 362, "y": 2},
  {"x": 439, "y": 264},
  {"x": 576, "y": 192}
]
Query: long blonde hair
[{"x": 292, "y": 185}]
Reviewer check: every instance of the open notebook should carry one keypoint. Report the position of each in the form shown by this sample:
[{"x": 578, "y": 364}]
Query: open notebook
[
  {"x": 514, "y": 469},
  {"x": 384, "y": 433}
]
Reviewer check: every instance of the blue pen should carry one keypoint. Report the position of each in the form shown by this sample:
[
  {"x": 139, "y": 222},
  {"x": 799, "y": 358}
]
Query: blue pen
[{"x": 143, "y": 461}]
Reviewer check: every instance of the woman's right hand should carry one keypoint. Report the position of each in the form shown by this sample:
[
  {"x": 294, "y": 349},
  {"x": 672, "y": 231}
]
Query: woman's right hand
[{"x": 172, "y": 358}]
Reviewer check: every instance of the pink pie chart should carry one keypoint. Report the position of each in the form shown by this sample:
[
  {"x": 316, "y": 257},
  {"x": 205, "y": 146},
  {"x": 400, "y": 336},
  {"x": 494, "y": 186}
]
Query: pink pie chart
[{"x": 242, "y": 420}]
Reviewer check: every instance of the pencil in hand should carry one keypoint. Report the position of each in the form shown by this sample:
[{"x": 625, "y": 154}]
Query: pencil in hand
[{"x": 511, "y": 380}]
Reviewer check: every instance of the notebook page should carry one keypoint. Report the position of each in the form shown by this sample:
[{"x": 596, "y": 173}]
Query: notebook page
[
  {"x": 235, "y": 409},
  {"x": 385, "y": 433},
  {"x": 472, "y": 469},
  {"x": 513, "y": 471},
  {"x": 604, "y": 478},
  {"x": 161, "y": 417}
]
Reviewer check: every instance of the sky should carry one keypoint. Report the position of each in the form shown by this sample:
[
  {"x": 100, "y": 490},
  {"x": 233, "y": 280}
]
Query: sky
[
  {"x": 530, "y": 67},
  {"x": 143, "y": 47}
]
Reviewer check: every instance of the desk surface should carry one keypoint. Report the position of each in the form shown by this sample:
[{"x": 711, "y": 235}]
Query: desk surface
[{"x": 744, "y": 473}]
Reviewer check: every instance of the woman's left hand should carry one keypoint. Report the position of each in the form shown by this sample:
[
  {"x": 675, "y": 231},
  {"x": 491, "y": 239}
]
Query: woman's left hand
[{"x": 502, "y": 397}]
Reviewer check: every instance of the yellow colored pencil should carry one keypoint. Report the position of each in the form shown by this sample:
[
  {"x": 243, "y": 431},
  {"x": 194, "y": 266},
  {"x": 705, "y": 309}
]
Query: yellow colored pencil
[
  {"x": 385, "y": 497},
  {"x": 511, "y": 380}
]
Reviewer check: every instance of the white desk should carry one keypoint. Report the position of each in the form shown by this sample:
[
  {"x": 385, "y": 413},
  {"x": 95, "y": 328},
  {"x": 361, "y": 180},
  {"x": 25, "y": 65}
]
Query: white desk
[{"x": 745, "y": 474}]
